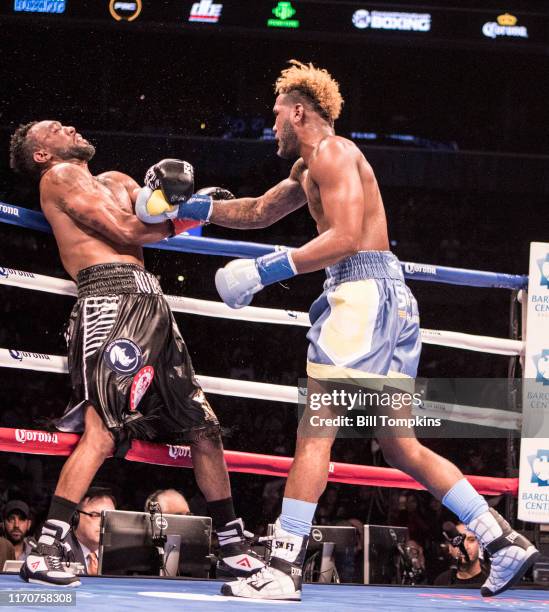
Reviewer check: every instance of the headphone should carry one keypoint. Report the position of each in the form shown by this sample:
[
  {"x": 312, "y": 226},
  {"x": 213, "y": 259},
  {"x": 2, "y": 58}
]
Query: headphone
[
  {"x": 75, "y": 520},
  {"x": 92, "y": 493},
  {"x": 151, "y": 503}
]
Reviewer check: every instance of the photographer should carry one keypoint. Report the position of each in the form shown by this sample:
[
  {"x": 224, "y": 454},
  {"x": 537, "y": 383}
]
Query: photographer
[{"x": 466, "y": 568}]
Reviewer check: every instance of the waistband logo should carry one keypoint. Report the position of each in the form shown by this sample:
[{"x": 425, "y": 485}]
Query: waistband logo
[{"x": 146, "y": 283}]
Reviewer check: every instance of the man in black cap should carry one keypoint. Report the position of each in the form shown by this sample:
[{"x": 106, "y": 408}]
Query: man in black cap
[{"x": 17, "y": 524}]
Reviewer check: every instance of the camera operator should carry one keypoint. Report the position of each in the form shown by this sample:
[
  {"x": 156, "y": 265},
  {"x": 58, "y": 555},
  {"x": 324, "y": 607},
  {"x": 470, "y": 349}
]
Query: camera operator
[{"x": 464, "y": 549}]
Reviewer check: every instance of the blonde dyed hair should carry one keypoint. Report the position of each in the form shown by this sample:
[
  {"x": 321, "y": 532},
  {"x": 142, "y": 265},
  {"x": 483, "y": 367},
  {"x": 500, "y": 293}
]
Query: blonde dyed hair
[{"x": 316, "y": 84}]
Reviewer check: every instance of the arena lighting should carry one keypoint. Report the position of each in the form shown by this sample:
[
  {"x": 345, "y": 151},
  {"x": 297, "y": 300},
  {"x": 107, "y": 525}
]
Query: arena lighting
[
  {"x": 390, "y": 20},
  {"x": 205, "y": 11},
  {"x": 506, "y": 26},
  {"x": 284, "y": 11},
  {"x": 125, "y": 11},
  {"x": 40, "y": 6}
]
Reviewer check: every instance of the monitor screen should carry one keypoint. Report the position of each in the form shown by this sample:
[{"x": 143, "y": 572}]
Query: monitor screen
[
  {"x": 331, "y": 554},
  {"x": 381, "y": 553},
  {"x": 127, "y": 548}
]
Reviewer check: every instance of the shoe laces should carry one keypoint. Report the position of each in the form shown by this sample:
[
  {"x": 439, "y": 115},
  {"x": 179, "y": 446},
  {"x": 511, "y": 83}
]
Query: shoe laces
[
  {"x": 57, "y": 555},
  {"x": 258, "y": 575},
  {"x": 267, "y": 541}
]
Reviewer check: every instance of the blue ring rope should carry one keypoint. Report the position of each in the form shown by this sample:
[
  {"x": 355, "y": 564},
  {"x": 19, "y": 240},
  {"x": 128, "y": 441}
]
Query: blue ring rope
[{"x": 30, "y": 219}]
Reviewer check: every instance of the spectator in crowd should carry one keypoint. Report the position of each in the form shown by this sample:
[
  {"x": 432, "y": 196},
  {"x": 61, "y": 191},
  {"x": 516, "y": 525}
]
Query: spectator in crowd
[
  {"x": 464, "y": 572},
  {"x": 169, "y": 501},
  {"x": 7, "y": 552},
  {"x": 328, "y": 507},
  {"x": 415, "y": 566},
  {"x": 17, "y": 526},
  {"x": 412, "y": 517},
  {"x": 84, "y": 537}
]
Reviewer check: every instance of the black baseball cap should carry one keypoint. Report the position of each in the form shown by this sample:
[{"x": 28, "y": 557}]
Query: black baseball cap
[{"x": 16, "y": 505}]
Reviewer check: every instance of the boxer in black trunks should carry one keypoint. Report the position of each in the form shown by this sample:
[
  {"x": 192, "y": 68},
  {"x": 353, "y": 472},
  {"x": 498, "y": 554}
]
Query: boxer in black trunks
[{"x": 129, "y": 366}]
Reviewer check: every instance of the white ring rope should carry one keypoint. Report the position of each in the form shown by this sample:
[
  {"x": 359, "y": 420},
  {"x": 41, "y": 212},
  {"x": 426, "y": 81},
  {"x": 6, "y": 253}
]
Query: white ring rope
[
  {"x": 488, "y": 417},
  {"x": 279, "y": 393},
  {"x": 483, "y": 344}
]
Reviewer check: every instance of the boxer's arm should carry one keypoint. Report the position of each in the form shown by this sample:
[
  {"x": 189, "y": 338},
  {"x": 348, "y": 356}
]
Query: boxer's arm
[
  {"x": 250, "y": 213},
  {"x": 336, "y": 173},
  {"x": 73, "y": 191},
  {"x": 131, "y": 185}
]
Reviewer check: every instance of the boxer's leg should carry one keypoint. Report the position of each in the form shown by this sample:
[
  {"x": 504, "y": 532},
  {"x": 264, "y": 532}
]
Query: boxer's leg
[
  {"x": 45, "y": 564},
  {"x": 309, "y": 472},
  {"x": 282, "y": 578},
  {"x": 210, "y": 469},
  {"x": 95, "y": 445}
]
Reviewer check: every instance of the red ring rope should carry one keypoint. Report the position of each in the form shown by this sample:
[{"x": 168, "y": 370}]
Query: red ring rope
[{"x": 62, "y": 444}]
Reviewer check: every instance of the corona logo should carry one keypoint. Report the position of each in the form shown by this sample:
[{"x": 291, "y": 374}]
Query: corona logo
[{"x": 507, "y": 20}]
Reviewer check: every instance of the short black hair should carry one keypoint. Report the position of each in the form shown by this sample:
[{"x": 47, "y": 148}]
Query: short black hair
[
  {"x": 97, "y": 493},
  {"x": 21, "y": 152}
]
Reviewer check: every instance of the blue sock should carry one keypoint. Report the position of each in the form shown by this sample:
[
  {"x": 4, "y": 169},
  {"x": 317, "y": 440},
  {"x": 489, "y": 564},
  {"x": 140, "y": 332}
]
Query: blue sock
[
  {"x": 463, "y": 500},
  {"x": 297, "y": 516}
]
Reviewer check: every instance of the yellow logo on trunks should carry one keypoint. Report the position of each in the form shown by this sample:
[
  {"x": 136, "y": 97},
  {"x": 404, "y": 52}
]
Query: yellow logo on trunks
[{"x": 347, "y": 333}]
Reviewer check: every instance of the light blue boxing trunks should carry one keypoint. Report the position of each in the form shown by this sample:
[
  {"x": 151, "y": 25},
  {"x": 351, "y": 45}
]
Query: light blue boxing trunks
[{"x": 366, "y": 322}]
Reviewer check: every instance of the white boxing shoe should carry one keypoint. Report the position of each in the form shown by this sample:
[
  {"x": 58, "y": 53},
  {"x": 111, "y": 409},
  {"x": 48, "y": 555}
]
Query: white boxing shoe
[
  {"x": 511, "y": 554},
  {"x": 282, "y": 577},
  {"x": 46, "y": 563}
]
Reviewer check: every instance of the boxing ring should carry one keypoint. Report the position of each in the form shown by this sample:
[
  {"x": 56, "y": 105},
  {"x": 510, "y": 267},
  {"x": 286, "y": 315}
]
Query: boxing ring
[
  {"x": 96, "y": 592},
  {"x": 174, "y": 595}
]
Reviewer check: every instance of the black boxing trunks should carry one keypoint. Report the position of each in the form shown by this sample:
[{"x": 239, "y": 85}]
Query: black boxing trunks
[{"x": 128, "y": 359}]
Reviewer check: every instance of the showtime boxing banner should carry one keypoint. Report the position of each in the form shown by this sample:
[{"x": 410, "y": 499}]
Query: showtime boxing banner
[{"x": 533, "y": 500}]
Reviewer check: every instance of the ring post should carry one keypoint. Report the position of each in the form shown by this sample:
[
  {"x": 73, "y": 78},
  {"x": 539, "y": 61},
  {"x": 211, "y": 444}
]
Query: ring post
[{"x": 533, "y": 500}]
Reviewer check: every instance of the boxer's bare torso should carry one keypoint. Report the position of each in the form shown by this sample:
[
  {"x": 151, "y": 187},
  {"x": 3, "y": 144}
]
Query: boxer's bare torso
[
  {"x": 92, "y": 216},
  {"x": 311, "y": 179},
  {"x": 342, "y": 193}
]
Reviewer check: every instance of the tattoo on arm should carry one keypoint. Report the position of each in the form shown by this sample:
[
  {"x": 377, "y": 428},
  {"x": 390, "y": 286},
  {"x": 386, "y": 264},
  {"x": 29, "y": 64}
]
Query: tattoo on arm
[
  {"x": 90, "y": 222},
  {"x": 240, "y": 213},
  {"x": 250, "y": 213}
]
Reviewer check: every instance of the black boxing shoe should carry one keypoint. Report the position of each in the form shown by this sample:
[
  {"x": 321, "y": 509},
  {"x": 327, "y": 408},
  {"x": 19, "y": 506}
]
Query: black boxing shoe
[
  {"x": 511, "y": 554},
  {"x": 236, "y": 559},
  {"x": 46, "y": 564}
]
